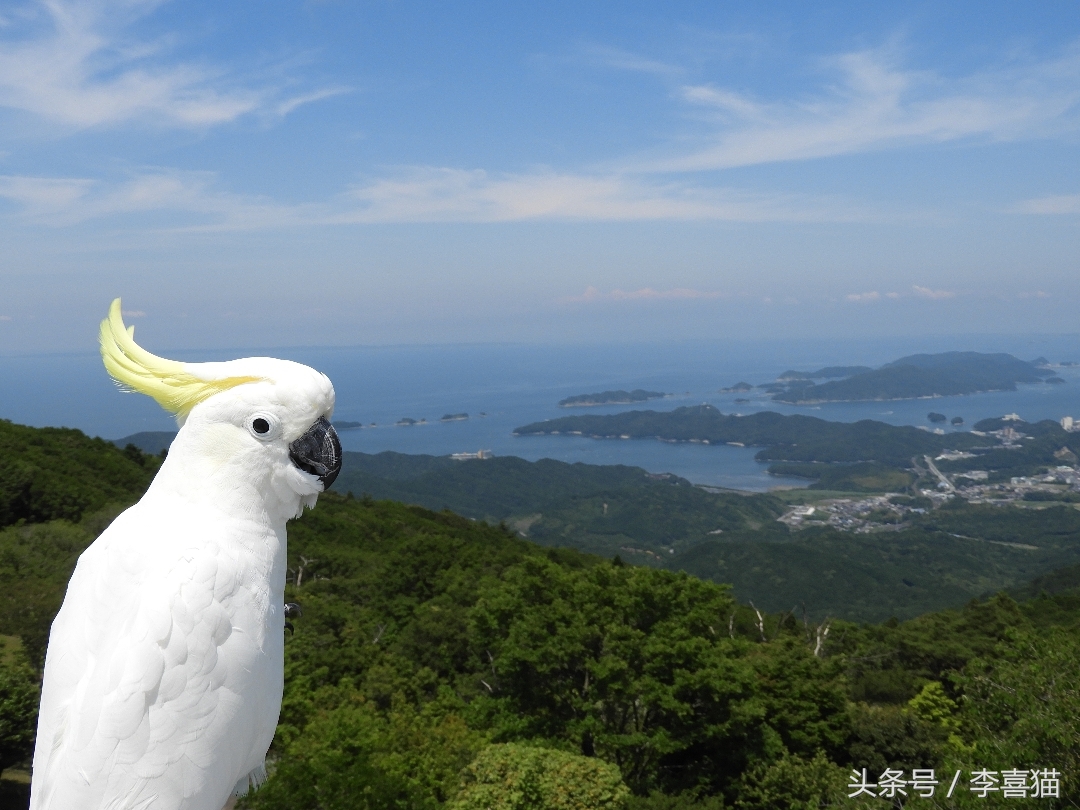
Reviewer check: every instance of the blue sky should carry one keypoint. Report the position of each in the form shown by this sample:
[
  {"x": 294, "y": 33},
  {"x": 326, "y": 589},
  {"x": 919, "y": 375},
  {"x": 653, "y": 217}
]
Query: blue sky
[{"x": 329, "y": 173}]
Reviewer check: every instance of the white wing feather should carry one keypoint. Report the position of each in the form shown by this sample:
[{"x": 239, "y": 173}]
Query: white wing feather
[{"x": 164, "y": 670}]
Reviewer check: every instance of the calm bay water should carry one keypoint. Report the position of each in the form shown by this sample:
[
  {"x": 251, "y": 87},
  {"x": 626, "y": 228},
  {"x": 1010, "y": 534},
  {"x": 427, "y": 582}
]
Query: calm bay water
[{"x": 515, "y": 385}]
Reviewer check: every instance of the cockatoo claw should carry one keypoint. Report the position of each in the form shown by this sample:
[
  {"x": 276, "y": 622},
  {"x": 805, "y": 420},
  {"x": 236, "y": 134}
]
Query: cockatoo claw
[{"x": 292, "y": 611}]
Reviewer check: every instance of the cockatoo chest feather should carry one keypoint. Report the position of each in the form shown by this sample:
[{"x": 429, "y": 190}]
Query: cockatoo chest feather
[{"x": 172, "y": 666}]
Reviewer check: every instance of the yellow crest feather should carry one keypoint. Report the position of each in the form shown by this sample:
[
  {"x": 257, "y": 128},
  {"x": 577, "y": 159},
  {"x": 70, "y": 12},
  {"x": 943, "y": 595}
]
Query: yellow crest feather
[{"x": 172, "y": 386}]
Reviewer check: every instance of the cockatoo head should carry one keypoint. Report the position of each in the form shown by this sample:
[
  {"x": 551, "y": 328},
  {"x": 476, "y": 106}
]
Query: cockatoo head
[{"x": 256, "y": 430}]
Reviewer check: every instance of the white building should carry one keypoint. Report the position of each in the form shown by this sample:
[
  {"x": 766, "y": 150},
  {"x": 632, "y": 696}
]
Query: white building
[{"x": 479, "y": 454}]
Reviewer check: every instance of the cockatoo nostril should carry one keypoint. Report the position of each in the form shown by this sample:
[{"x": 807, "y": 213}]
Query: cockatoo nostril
[{"x": 318, "y": 452}]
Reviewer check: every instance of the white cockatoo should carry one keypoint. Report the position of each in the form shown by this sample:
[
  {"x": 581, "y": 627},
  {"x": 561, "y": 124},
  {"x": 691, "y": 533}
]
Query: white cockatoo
[{"x": 164, "y": 672}]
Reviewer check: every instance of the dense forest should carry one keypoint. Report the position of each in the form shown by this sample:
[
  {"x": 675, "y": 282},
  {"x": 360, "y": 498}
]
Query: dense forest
[
  {"x": 938, "y": 559},
  {"x": 445, "y": 662},
  {"x": 602, "y": 509}
]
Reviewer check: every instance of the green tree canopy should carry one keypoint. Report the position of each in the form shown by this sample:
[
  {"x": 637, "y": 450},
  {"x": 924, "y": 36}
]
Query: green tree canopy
[
  {"x": 636, "y": 666},
  {"x": 18, "y": 705},
  {"x": 520, "y": 777}
]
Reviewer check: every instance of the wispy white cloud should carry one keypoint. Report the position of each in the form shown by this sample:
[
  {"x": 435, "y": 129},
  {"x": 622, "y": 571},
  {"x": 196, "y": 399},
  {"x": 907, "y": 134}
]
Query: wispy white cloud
[
  {"x": 422, "y": 194},
  {"x": 933, "y": 295},
  {"x": 287, "y": 106},
  {"x": 619, "y": 59},
  {"x": 723, "y": 99},
  {"x": 75, "y": 63},
  {"x": 863, "y": 298},
  {"x": 1053, "y": 204},
  {"x": 916, "y": 291},
  {"x": 930, "y": 294},
  {"x": 879, "y": 104},
  {"x": 593, "y": 294},
  {"x": 442, "y": 194},
  {"x": 70, "y": 201},
  {"x": 43, "y": 196}
]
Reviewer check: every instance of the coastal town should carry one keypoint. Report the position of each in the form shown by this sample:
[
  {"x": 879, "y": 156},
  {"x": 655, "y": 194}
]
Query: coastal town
[{"x": 893, "y": 511}]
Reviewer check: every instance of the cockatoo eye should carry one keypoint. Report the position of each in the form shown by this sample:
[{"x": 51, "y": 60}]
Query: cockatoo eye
[{"x": 263, "y": 426}]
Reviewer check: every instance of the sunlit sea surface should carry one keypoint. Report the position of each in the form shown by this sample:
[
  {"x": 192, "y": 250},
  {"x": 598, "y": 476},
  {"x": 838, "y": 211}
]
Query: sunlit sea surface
[{"x": 514, "y": 385}]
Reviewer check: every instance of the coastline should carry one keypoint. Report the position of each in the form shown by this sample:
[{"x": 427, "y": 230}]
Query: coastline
[
  {"x": 613, "y": 402},
  {"x": 893, "y": 399}
]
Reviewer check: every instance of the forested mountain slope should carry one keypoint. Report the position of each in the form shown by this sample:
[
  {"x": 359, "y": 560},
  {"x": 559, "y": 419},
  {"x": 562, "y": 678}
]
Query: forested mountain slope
[
  {"x": 603, "y": 509},
  {"x": 48, "y": 473},
  {"x": 435, "y": 651}
]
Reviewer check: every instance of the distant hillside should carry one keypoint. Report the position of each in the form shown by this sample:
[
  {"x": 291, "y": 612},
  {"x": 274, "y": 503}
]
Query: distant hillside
[
  {"x": 948, "y": 557},
  {"x": 951, "y": 555},
  {"x": 1059, "y": 581},
  {"x": 613, "y": 510},
  {"x": 49, "y": 473},
  {"x": 867, "y": 476},
  {"x": 610, "y": 398},
  {"x": 919, "y": 375},
  {"x": 603, "y": 509},
  {"x": 785, "y": 438},
  {"x": 945, "y": 558},
  {"x": 149, "y": 441}
]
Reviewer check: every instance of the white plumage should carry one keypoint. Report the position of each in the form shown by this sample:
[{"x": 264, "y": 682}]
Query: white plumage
[{"x": 164, "y": 672}]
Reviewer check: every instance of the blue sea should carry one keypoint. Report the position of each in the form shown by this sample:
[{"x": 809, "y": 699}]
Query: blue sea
[{"x": 513, "y": 385}]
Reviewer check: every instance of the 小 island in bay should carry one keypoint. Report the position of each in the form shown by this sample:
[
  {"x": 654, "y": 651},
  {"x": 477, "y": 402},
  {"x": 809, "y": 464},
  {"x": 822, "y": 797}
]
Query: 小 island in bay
[{"x": 610, "y": 398}]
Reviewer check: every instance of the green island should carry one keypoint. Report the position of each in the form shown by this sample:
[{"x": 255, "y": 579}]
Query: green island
[
  {"x": 610, "y": 398},
  {"x": 827, "y": 373},
  {"x": 784, "y": 438},
  {"x": 737, "y": 388},
  {"x": 912, "y": 377},
  {"x": 443, "y": 662}
]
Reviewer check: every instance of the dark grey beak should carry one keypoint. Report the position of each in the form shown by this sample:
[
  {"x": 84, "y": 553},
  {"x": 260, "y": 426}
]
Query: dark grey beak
[{"x": 318, "y": 452}]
